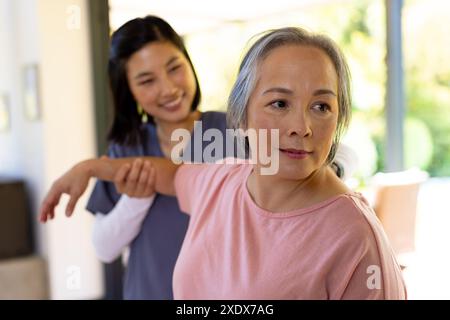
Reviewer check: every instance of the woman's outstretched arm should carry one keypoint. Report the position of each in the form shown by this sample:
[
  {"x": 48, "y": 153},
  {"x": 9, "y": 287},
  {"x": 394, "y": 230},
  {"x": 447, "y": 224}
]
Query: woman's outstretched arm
[{"x": 75, "y": 181}]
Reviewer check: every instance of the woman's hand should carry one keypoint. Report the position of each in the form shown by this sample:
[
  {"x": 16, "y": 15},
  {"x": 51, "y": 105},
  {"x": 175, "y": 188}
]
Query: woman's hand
[
  {"x": 136, "y": 180},
  {"x": 74, "y": 183}
]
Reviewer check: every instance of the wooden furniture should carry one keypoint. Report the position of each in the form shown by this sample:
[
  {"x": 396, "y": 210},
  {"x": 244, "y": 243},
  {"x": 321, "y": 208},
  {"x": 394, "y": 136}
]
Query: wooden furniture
[
  {"x": 395, "y": 204},
  {"x": 15, "y": 220},
  {"x": 23, "y": 275}
]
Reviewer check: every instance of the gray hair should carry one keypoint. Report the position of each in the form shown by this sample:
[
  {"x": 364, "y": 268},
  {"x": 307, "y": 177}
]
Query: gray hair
[{"x": 247, "y": 77}]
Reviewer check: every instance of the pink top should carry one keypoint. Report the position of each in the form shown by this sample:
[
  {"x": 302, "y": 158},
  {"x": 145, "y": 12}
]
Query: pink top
[{"x": 234, "y": 249}]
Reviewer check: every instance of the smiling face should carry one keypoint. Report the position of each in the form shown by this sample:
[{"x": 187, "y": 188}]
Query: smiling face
[
  {"x": 162, "y": 81},
  {"x": 296, "y": 92}
]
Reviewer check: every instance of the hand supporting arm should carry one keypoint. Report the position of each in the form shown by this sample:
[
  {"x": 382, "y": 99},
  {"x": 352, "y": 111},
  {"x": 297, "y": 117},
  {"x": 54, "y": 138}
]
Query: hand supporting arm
[{"x": 75, "y": 181}]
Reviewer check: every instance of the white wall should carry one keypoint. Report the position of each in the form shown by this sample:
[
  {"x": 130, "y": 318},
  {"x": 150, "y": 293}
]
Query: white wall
[
  {"x": 46, "y": 32},
  {"x": 20, "y": 147},
  {"x": 68, "y": 137},
  {"x": 10, "y": 160}
]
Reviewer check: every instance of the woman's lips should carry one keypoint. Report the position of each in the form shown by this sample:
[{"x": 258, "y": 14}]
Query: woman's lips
[
  {"x": 173, "y": 105},
  {"x": 296, "y": 153}
]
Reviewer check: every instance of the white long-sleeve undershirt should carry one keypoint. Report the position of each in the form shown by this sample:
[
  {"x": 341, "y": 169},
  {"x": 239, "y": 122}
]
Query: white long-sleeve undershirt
[{"x": 113, "y": 232}]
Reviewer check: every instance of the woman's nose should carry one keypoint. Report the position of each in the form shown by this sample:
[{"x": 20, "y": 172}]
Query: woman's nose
[
  {"x": 299, "y": 124},
  {"x": 168, "y": 87}
]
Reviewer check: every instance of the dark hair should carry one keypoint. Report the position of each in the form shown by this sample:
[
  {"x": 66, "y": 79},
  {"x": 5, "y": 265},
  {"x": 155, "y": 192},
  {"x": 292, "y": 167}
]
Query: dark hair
[{"x": 128, "y": 39}]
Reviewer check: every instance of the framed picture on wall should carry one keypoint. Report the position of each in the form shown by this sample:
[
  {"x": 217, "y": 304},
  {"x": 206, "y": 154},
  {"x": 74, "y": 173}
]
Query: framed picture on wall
[
  {"x": 5, "y": 117},
  {"x": 31, "y": 92}
]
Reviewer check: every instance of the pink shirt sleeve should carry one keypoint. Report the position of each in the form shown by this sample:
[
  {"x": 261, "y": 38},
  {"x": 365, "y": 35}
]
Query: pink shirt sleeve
[
  {"x": 354, "y": 254},
  {"x": 183, "y": 175},
  {"x": 192, "y": 183},
  {"x": 367, "y": 268},
  {"x": 366, "y": 280}
]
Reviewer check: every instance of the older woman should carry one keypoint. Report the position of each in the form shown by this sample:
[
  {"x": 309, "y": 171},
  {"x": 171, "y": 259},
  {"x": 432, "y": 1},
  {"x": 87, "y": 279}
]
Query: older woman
[{"x": 297, "y": 234}]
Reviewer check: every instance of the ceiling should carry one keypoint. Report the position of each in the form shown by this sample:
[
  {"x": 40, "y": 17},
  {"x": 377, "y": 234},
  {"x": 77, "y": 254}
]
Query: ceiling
[{"x": 196, "y": 15}]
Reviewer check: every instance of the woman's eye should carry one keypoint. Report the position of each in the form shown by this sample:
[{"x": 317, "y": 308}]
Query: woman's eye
[
  {"x": 145, "y": 82},
  {"x": 322, "y": 107},
  {"x": 279, "y": 104},
  {"x": 174, "y": 68}
]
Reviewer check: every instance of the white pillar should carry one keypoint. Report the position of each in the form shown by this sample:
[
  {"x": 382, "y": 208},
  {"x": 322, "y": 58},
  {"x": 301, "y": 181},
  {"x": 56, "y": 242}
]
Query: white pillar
[{"x": 395, "y": 96}]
